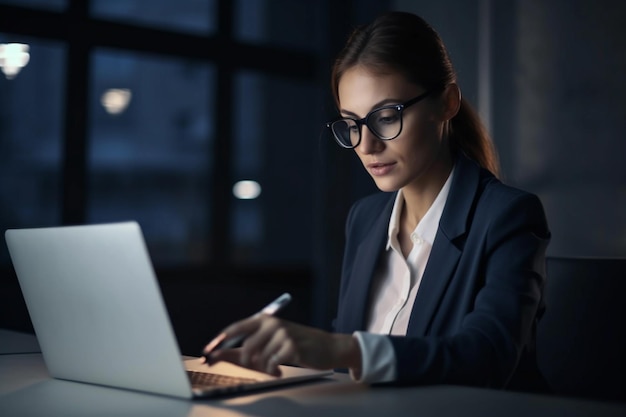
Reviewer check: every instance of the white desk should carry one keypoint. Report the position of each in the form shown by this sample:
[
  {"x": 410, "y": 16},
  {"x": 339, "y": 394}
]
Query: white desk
[
  {"x": 27, "y": 390},
  {"x": 15, "y": 342}
]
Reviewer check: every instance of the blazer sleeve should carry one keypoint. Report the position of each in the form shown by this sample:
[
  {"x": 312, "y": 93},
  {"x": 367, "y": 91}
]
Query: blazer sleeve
[{"x": 509, "y": 270}]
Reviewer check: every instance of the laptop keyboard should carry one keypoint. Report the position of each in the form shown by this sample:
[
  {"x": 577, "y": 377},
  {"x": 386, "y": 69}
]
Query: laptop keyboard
[{"x": 206, "y": 379}]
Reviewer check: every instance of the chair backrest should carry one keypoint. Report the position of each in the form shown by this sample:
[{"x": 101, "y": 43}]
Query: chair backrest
[{"x": 581, "y": 339}]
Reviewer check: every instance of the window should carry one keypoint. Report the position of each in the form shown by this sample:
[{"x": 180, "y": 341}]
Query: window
[
  {"x": 276, "y": 146},
  {"x": 150, "y": 150},
  {"x": 182, "y": 15},
  {"x": 31, "y": 114},
  {"x": 268, "y": 22},
  {"x": 170, "y": 105}
]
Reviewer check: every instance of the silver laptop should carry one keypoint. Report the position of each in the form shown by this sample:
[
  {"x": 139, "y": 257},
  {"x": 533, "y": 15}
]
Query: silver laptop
[{"x": 99, "y": 316}]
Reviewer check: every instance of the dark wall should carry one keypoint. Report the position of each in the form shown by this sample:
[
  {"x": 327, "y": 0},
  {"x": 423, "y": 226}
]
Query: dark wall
[{"x": 552, "y": 91}]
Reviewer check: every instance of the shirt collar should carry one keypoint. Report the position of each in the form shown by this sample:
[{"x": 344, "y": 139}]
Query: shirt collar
[{"x": 427, "y": 227}]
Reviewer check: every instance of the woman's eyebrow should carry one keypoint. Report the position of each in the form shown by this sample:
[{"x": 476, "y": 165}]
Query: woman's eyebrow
[
  {"x": 348, "y": 113},
  {"x": 382, "y": 103}
]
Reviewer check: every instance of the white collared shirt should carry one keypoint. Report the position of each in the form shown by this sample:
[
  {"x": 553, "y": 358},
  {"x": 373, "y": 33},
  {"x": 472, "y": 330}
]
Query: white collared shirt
[{"x": 394, "y": 288}]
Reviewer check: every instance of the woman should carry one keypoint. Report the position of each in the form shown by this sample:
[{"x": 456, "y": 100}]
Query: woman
[{"x": 444, "y": 270}]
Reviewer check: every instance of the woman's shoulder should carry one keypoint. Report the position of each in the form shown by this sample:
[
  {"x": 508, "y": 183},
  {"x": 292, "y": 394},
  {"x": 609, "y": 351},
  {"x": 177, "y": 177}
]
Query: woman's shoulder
[
  {"x": 497, "y": 192},
  {"x": 500, "y": 203},
  {"x": 369, "y": 209},
  {"x": 475, "y": 189}
]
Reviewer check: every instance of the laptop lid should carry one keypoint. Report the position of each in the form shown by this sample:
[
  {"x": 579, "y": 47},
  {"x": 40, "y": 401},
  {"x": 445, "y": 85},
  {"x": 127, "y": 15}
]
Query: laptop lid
[{"x": 98, "y": 312}]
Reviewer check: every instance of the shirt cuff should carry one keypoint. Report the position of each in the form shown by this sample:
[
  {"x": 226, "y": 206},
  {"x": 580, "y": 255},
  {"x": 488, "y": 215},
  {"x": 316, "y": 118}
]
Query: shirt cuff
[{"x": 378, "y": 359}]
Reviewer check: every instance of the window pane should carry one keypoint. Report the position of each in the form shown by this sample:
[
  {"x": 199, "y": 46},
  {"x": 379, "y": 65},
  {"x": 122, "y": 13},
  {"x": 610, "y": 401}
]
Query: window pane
[
  {"x": 268, "y": 22},
  {"x": 43, "y": 4},
  {"x": 30, "y": 138},
  {"x": 151, "y": 137},
  {"x": 185, "y": 15},
  {"x": 271, "y": 115}
]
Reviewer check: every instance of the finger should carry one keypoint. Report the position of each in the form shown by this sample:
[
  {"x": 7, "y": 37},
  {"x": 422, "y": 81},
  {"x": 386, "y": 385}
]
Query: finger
[
  {"x": 214, "y": 343},
  {"x": 279, "y": 337},
  {"x": 253, "y": 348},
  {"x": 242, "y": 327},
  {"x": 230, "y": 355},
  {"x": 283, "y": 355},
  {"x": 272, "y": 366},
  {"x": 235, "y": 330}
]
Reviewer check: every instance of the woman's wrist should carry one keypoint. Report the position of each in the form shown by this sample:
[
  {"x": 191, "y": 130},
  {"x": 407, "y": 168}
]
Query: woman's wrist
[{"x": 347, "y": 352}]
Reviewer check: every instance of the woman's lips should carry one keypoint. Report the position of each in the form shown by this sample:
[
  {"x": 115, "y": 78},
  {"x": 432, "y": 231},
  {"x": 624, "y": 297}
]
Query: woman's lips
[{"x": 379, "y": 168}]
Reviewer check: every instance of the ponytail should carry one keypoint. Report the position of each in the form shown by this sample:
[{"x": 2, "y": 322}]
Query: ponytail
[{"x": 468, "y": 134}]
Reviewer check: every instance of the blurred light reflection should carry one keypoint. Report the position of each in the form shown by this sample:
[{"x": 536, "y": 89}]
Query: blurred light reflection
[
  {"x": 13, "y": 57},
  {"x": 116, "y": 100},
  {"x": 247, "y": 190}
]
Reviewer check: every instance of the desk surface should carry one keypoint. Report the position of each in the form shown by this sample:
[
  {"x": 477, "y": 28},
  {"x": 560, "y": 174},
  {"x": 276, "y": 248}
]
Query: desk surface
[
  {"x": 16, "y": 342},
  {"x": 26, "y": 389}
]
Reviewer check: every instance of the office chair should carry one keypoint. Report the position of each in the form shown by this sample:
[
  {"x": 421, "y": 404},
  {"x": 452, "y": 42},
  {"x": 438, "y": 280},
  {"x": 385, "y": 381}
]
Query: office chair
[{"x": 581, "y": 339}]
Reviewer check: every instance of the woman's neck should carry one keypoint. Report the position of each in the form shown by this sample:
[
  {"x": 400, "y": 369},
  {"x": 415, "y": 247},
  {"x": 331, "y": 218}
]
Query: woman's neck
[{"x": 420, "y": 195}]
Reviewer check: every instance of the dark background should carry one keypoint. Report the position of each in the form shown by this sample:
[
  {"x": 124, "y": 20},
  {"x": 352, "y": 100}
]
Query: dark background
[{"x": 223, "y": 91}]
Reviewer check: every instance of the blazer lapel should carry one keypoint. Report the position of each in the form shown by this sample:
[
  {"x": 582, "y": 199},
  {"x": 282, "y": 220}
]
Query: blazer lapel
[
  {"x": 445, "y": 255},
  {"x": 366, "y": 258}
]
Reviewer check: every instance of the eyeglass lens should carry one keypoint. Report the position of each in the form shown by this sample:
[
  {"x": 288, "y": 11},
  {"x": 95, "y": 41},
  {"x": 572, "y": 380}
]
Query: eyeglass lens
[{"x": 385, "y": 123}]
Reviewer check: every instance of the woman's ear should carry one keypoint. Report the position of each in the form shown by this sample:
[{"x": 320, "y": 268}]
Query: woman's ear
[{"x": 451, "y": 101}]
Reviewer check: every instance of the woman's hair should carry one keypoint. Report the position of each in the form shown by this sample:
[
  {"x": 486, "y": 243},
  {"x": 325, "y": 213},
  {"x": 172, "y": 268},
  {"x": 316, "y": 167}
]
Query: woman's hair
[{"x": 405, "y": 43}]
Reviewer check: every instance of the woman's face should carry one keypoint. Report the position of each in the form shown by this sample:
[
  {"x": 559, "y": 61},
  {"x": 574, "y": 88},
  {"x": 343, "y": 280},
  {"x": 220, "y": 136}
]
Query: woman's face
[{"x": 409, "y": 159}]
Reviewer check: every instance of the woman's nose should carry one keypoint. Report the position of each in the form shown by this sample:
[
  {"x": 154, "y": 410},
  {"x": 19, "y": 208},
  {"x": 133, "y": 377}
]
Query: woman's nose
[{"x": 369, "y": 142}]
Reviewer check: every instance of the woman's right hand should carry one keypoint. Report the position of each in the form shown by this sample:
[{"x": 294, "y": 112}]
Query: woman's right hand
[{"x": 271, "y": 341}]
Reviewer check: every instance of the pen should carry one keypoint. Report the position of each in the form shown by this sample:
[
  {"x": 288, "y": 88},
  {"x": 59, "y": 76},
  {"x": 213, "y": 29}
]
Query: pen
[{"x": 220, "y": 343}]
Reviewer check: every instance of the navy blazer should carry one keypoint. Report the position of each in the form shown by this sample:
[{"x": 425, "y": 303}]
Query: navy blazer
[{"x": 475, "y": 314}]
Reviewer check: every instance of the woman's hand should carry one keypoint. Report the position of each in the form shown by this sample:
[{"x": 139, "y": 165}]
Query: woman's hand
[{"x": 271, "y": 341}]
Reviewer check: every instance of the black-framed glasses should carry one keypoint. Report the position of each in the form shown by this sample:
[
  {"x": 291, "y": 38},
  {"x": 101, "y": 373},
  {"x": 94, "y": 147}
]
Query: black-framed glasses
[{"x": 384, "y": 122}]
